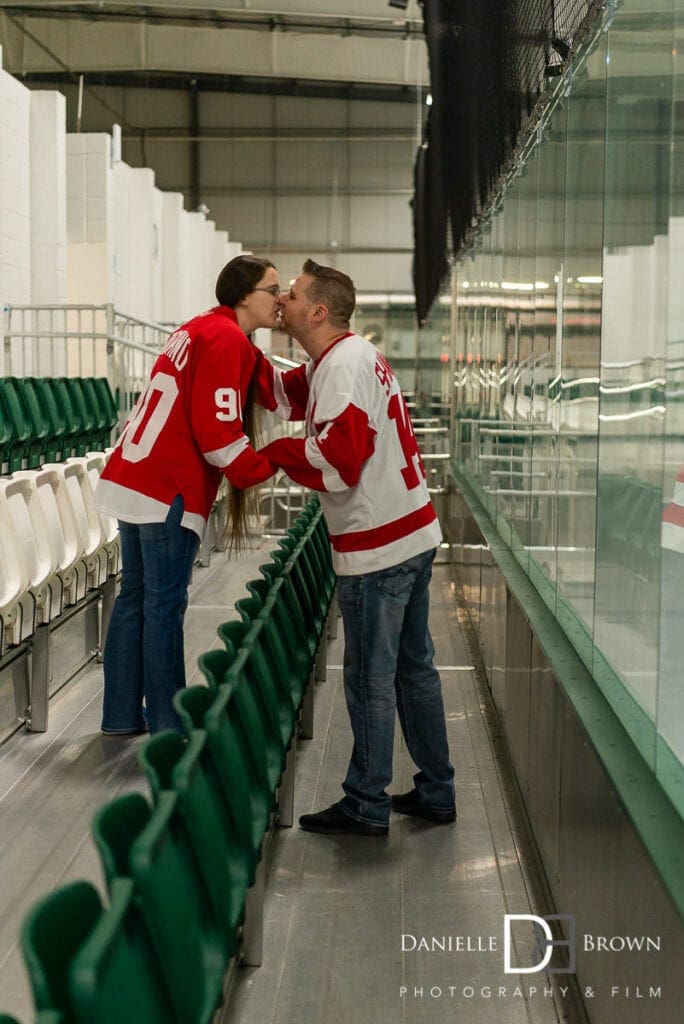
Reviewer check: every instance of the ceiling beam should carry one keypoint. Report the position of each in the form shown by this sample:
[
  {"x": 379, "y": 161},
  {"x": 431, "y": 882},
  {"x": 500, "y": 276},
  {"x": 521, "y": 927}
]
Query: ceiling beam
[
  {"x": 264, "y": 86},
  {"x": 215, "y": 17},
  {"x": 36, "y": 41}
]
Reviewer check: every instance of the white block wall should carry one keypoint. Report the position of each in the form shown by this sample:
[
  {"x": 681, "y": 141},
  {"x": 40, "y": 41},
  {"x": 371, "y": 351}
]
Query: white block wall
[
  {"x": 208, "y": 265},
  {"x": 137, "y": 243},
  {"x": 48, "y": 197},
  {"x": 173, "y": 287},
  {"x": 156, "y": 258},
  {"x": 48, "y": 224},
  {"x": 15, "y": 205},
  {"x": 90, "y": 219},
  {"x": 75, "y": 230},
  {"x": 220, "y": 251},
  {"x": 196, "y": 285},
  {"x": 131, "y": 244}
]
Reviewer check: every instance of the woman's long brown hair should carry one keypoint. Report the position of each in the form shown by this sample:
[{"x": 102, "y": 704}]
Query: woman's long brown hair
[
  {"x": 243, "y": 506},
  {"x": 237, "y": 279}
]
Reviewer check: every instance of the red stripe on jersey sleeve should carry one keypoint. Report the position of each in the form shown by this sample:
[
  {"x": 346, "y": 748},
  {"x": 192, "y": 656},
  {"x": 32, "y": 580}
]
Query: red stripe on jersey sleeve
[
  {"x": 347, "y": 442},
  {"x": 364, "y": 540}
]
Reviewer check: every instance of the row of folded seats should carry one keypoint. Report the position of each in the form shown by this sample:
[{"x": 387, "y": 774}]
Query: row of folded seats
[
  {"x": 185, "y": 873},
  {"x": 54, "y": 545},
  {"x": 48, "y": 419}
]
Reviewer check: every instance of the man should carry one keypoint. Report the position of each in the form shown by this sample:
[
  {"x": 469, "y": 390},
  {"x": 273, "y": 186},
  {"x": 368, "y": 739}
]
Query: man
[{"x": 361, "y": 454}]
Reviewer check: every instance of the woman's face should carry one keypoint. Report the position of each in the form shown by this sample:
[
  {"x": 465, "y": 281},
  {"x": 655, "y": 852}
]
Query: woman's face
[{"x": 260, "y": 306}]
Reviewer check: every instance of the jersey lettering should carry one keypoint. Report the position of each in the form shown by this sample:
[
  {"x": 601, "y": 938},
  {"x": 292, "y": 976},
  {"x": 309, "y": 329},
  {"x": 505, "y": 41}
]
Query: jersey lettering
[
  {"x": 228, "y": 404},
  {"x": 149, "y": 416},
  {"x": 397, "y": 411},
  {"x": 383, "y": 371},
  {"x": 177, "y": 349}
]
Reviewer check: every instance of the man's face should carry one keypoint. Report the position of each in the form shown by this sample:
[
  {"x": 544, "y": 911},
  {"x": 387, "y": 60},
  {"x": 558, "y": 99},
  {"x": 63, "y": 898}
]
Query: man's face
[{"x": 295, "y": 308}]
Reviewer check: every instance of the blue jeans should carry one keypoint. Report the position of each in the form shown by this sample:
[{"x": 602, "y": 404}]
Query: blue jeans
[
  {"x": 144, "y": 655},
  {"x": 388, "y": 667}
]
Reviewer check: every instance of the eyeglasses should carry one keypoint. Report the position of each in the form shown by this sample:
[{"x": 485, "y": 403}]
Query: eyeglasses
[{"x": 273, "y": 289}]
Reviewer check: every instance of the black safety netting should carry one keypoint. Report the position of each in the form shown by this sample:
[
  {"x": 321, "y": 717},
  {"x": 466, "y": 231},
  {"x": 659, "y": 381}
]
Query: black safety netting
[{"x": 489, "y": 62}]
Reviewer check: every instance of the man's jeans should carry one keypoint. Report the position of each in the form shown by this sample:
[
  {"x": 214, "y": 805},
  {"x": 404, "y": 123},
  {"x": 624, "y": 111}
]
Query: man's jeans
[
  {"x": 144, "y": 654},
  {"x": 388, "y": 667}
]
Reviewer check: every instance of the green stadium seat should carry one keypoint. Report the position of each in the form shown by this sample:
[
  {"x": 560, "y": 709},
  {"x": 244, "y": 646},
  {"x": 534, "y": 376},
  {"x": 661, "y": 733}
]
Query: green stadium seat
[
  {"x": 107, "y": 402},
  {"x": 192, "y": 704},
  {"x": 54, "y": 414},
  {"x": 158, "y": 756},
  {"x": 5, "y": 438},
  {"x": 68, "y": 415},
  {"x": 248, "y": 608},
  {"x": 37, "y": 445},
  {"x": 112, "y": 828},
  {"x": 279, "y": 685},
  {"x": 239, "y": 761},
  {"x": 259, "y": 589},
  {"x": 51, "y": 935},
  {"x": 114, "y": 976},
  {"x": 85, "y": 437},
  {"x": 271, "y": 571},
  {"x": 170, "y": 763},
  {"x": 226, "y": 763},
  {"x": 263, "y": 750},
  {"x": 191, "y": 952},
  {"x": 16, "y": 417},
  {"x": 305, "y": 587},
  {"x": 98, "y": 413},
  {"x": 277, "y": 717}
]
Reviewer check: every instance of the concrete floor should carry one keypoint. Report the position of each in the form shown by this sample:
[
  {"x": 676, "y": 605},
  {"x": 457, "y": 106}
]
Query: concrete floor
[{"x": 341, "y": 913}]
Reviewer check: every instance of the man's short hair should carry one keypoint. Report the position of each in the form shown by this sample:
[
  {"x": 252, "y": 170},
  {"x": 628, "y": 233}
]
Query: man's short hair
[{"x": 333, "y": 289}]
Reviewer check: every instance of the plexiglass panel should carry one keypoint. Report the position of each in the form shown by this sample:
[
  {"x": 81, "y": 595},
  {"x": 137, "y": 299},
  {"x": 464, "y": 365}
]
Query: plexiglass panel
[
  {"x": 569, "y": 371},
  {"x": 670, "y": 686}
]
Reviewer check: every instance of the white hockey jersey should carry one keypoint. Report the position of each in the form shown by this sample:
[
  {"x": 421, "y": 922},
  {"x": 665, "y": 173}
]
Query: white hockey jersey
[{"x": 360, "y": 453}]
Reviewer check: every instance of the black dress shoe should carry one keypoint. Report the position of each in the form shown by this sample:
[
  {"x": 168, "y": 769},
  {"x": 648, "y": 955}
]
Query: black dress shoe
[
  {"x": 408, "y": 803},
  {"x": 333, "y": 821}
]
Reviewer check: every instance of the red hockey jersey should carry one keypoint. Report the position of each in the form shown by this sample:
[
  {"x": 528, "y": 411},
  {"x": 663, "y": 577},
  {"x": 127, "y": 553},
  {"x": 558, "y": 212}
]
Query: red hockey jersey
[
  {"x": 360, "y": 453},
  {"x": 185, "y": 430}
]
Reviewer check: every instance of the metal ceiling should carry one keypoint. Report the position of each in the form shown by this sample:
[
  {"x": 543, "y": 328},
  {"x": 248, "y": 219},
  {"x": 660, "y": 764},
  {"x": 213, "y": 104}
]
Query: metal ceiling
[{"x": 360, "y": 43}]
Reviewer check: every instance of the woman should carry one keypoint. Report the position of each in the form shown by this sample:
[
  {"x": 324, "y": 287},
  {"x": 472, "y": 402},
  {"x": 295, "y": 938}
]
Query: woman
[{"x": 185, "y": 430}]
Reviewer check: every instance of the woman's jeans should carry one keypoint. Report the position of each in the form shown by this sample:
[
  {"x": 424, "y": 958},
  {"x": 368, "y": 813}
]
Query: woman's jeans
[
  {"x": 388, "y": 667},
  {"x": 144, "y": 655}
]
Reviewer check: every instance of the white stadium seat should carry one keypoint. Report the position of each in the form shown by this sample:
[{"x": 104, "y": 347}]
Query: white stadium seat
[
  {"x": 17, "y": 603},
  {"x": 19, "y": 499},
  {"x": 62, "y": 531},
  {"x": 89, "y": 528}
]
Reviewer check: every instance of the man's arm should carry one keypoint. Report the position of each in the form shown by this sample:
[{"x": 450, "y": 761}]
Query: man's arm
[{"x": 333, "y": 459}]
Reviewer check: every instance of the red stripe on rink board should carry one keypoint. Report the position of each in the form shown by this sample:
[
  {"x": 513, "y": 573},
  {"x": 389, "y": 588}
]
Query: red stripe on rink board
[
  {"x": 363, "y": 540},
  {"x": 674, "y": 514}
]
